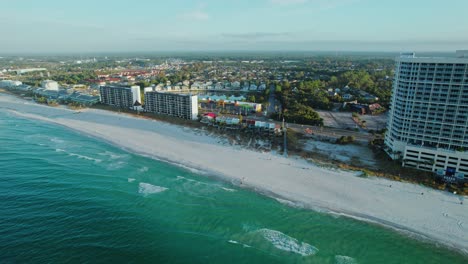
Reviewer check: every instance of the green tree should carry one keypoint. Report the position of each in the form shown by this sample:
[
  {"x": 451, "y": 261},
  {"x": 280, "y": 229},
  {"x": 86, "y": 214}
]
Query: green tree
[
  {"x": 143, "y": 84},
  {"x": 278, "y": 88},
  {"x": 334, "y": 81}
]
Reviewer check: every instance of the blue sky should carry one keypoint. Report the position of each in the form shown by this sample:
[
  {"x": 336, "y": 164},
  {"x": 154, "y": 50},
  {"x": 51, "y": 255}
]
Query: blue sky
[{"x": 215, "y": 25}]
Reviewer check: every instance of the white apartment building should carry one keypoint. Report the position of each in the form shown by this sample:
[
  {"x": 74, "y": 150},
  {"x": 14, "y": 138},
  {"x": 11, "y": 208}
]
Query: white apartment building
[
  {"x": 428, "y": 127},
  {"x": 124, "y": 97},
  {"x": 179, "y": 105}
]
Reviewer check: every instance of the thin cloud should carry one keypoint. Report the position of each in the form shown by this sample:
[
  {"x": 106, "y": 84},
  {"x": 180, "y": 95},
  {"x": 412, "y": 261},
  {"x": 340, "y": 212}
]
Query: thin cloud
[
  {"x": 196, "y": 15},
  {"x": 288, "y": 2},
  {"x": 324, "y": 5},
  {"x": 255, "y": 35},
  {"x": 317, "y": 4}
]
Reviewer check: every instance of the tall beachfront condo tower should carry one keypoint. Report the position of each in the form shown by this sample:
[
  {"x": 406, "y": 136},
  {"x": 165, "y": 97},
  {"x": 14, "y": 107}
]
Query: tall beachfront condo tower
[
  {"x": 428, "y": 127},
  {"x": 124, "y": 97},
  {"x": 179, "y": 105}
]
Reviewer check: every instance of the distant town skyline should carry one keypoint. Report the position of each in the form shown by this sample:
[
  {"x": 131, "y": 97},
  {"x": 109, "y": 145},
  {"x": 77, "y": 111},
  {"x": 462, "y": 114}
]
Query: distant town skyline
[{"x": 260, "y": 25}]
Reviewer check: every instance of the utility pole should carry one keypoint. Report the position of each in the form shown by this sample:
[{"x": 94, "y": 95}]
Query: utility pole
[{"x": 285, "y": 151}]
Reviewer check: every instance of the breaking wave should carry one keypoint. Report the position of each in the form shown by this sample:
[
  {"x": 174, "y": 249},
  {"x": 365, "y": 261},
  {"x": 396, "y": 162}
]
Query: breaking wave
[
  {"x": 204, "y": 183},
  {"x": 114, "y": 156},
  {"x": 287, "y": 243},
  {"x": 147, "y": 189},
  {"x": 238, "y": 243},
  {"x": 289, "y": 203},
  {"x": 344, "y": 260},
  {"x": 57, "y": 140},
  {"x": 192, "y": 180},
  {"x": 228, "y": 189},
  {"x": 79, "y": 156},
  {"x": 116, "y": 165}
]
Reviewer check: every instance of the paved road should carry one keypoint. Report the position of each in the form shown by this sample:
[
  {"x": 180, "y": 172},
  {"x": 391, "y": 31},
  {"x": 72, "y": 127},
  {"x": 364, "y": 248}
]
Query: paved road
[{"x": 272, "y": 101}]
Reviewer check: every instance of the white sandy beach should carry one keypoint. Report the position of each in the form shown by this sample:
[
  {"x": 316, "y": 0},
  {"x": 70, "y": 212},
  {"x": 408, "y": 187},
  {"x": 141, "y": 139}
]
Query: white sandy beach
[{"x": 436, "y": 215}]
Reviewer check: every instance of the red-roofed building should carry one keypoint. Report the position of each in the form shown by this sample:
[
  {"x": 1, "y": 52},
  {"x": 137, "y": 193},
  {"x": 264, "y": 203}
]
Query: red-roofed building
[
  {"x": 210, "y": 115},
  {"x": 374, "y": 107}
]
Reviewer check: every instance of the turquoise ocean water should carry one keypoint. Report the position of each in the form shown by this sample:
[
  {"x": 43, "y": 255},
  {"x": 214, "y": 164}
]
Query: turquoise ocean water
[{"x": 66, "y": 197}]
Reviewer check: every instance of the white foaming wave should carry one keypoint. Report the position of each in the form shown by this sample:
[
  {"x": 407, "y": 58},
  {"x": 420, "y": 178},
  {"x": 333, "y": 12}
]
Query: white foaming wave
[
  {"x": 238, "y": 243},
  {"x": 183, "y": 178},
  {"x": 203, "y": 183},
  {"x": 84, "y": 157},
  {"x": 131, "y": 179},
  {"x": 113, "y": 156},
  {"x": 147, "y": 189},
  {"x": 144, "y": 169},
  {"x": 344, "y": 260},
  {"x": 191, "y": 180},
  {"x": 228, "y": 189},
  {"x": 116, "y": 165},
  {"x": 116, "y": 161},
  {"x": 193, "y": 170},
  {"x": 289, "y": 203},
  {"x": 78, "y": 155},
  {"x": 57, "y": 140},
  {"x": 287, "y": 243}
]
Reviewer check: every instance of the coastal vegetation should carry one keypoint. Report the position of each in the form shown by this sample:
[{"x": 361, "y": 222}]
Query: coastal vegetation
[
  {"x": 357, "y": 119},
  {"x": 44, "y": 100},
  {"x": 76, "y": 105}
]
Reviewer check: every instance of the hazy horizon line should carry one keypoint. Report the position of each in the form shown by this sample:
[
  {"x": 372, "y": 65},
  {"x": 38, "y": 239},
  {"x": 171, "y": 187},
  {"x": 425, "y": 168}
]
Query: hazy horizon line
[{"x": 101, "y": 53}]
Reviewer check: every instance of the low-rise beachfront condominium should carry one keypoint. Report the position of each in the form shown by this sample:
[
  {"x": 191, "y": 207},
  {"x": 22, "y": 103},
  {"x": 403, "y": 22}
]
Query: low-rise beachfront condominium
[
  {"x": 427, "y": 128},
  {"x": 179, "y": 105},
  {"x": 123, "y": 97}
]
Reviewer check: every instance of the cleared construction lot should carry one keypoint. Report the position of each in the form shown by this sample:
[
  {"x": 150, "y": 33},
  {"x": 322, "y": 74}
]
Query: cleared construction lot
[{"x": 344, "y": 120}]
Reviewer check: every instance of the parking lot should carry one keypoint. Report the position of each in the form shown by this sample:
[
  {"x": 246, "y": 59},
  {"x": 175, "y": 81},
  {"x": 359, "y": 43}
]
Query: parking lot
[
  {"x": 342, "y": 120},
  {"x": 376, "y": 122}
]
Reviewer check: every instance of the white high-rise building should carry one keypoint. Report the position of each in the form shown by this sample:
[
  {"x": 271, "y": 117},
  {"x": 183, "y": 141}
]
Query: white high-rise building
[
  {"x": 179, "y": 105},
  {"x": 428, "y": 127},
  {"x": 125, "y": 97}
]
